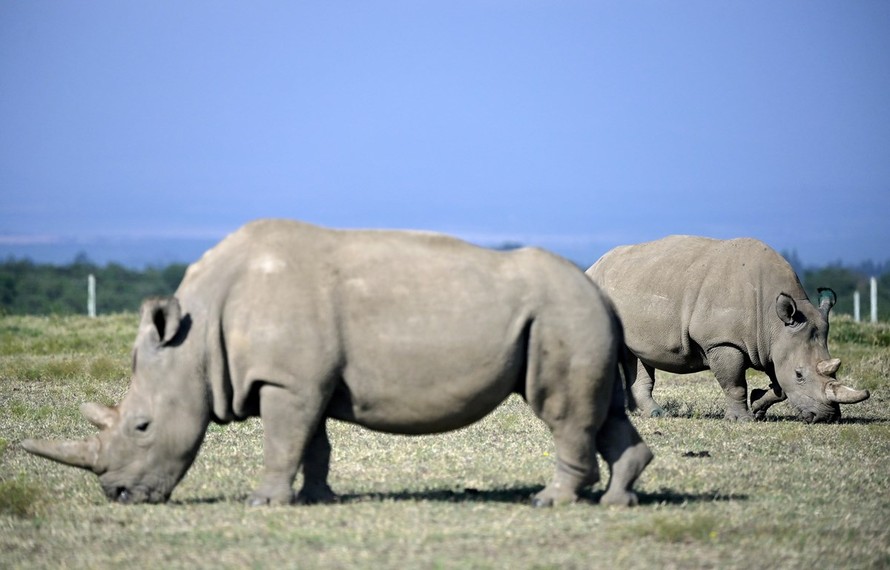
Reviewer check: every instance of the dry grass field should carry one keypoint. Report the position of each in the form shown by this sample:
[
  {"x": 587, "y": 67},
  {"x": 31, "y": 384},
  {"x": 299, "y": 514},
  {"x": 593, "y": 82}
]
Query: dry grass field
[{"x": 773, "y": 494}]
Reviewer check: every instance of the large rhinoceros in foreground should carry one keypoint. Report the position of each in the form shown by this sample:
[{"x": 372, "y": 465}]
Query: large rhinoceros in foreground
[
  {"x": 692, "y": 303},
  {"x": 401, "y": 332}
]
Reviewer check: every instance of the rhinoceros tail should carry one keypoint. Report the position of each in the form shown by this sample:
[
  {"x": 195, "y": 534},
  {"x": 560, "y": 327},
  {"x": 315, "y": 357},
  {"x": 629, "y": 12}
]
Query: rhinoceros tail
[{"x": 625, "y": 360}]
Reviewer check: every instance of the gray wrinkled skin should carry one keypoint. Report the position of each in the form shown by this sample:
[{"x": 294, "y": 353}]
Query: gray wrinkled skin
[
  {"x": 400, "y": 332},
  {"x": 692, "y": 303}
]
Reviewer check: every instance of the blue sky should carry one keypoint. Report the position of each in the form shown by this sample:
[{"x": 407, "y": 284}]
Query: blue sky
[{"x": 575, "y": 126}]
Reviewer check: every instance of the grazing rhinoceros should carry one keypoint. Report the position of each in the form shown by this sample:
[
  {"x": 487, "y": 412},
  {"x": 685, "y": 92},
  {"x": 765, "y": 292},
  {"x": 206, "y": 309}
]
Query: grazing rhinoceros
[
  {"x": 401, "y": 332},
  {"x": 692, "y": 303}
]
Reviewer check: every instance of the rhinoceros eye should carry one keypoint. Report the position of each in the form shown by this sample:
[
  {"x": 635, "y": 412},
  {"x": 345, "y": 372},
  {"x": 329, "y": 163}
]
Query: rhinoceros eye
[
  {"x": 798, "y": 373},
  {"x": 142, "y": 427}
]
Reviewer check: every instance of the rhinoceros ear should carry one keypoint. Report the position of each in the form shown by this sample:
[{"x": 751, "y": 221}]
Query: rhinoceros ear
[
  {"x": 162, "y": 315},
  {"x": 827, "y": 299},
  {"x": 786, "y": 308}
]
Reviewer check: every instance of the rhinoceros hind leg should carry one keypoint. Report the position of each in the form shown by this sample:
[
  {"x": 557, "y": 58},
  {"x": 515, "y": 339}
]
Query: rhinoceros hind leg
[
  {"x": 316, "y": 465},
  {"x": 566, "y": 484},
  {"x": 641, "y": 390},
  {"x": 627, "y": 455}
]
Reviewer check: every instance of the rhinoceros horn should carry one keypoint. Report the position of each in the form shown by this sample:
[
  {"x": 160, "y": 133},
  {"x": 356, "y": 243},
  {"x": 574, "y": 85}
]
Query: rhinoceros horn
[
  {"x": 828, "y": 367},
  {"x": 837, "y": 392},
  {"x": 100, "y": 416},
  {"x": 83, "y": 454}
]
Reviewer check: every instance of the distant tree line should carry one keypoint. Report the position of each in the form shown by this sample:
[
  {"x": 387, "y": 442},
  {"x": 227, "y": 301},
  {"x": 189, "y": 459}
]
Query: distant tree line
[
  {"x": 28, "y": 288},
  {"x": 42, "y": 289},
  {"x": 845, "y": 280}
]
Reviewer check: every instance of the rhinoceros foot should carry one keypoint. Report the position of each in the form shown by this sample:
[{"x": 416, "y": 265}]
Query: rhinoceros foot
[
  {"x": 317, "y": 494},
  {"x": 658, "y": 412},
  {"x": 620, "y": 498},
  {"x": 739, "y": 416},
  {"x": 542, "y": 500},
  {"x": 554, "y": 494}
]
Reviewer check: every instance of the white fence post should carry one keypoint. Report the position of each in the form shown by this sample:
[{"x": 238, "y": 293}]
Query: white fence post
[
  {"x": 874, "y": 299},
  {"x": 856, "y": 306},
  {"x": 91, "y": 295}
]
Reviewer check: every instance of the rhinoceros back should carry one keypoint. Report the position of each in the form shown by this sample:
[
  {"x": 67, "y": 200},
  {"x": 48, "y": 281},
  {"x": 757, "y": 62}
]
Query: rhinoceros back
[
  {"x": 407, "y": 320},
  {"x": 681, "y": 295}
]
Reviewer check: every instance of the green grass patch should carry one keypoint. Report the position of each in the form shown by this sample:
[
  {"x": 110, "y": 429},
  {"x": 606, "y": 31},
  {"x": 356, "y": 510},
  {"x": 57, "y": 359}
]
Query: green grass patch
[
  {"x": 70, "y": 367},
  {"x": 845, "y": 330},
  {"x": 698, "y": 527},
  {"x": 58, "y": 335},
  {"x": 23, "y": 411},
  {"x": 19, "y": 497}
]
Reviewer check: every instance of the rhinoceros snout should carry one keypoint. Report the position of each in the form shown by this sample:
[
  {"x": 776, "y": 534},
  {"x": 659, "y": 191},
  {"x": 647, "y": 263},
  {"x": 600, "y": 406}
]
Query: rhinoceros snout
[
  {"x": 823, "y": 416},
  {"x": 809, "y": 417}
]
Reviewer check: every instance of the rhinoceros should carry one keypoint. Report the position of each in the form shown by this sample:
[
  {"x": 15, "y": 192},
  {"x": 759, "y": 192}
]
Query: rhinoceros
[
  {"x": 401, "y": 332},
  {"x": 692, "y": 303}
]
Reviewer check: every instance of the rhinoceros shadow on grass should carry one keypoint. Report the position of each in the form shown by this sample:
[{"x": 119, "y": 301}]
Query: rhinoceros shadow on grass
[
  {"x": 401, "y": 332},
  {"x": 522, "y": 494},
  {"x": 691, "y": 303},
  {"x": 511, "y": 495}
]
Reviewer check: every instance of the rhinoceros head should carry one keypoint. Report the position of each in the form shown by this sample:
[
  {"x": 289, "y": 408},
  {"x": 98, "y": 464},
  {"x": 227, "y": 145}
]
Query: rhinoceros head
[
  {"x": 147, "y": 442},
  {"x": 804, "y": 369}
]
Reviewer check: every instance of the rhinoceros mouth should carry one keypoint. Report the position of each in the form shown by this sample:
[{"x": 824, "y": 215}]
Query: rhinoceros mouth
[
  {"x": 808, "y": 417},
  {"x": 824, "y": 416}
]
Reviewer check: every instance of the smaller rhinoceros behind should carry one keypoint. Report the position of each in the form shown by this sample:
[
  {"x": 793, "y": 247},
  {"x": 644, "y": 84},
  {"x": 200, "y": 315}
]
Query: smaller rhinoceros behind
[
  {"x": 399, "y": 332},
  {"x": 693, "y": 303}
]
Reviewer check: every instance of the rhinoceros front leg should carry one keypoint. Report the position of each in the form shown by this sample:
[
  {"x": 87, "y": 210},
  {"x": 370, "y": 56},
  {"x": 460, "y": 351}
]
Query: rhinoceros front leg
[
  {"x": 574, "y": 413},
  {"x": 289, "y": 424},
  {"x": 576, "y": 447},
  {"x": 728, "y": 365},
  {"x": 761, "y": 400},
  {"x": 576, "y": 467}
]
